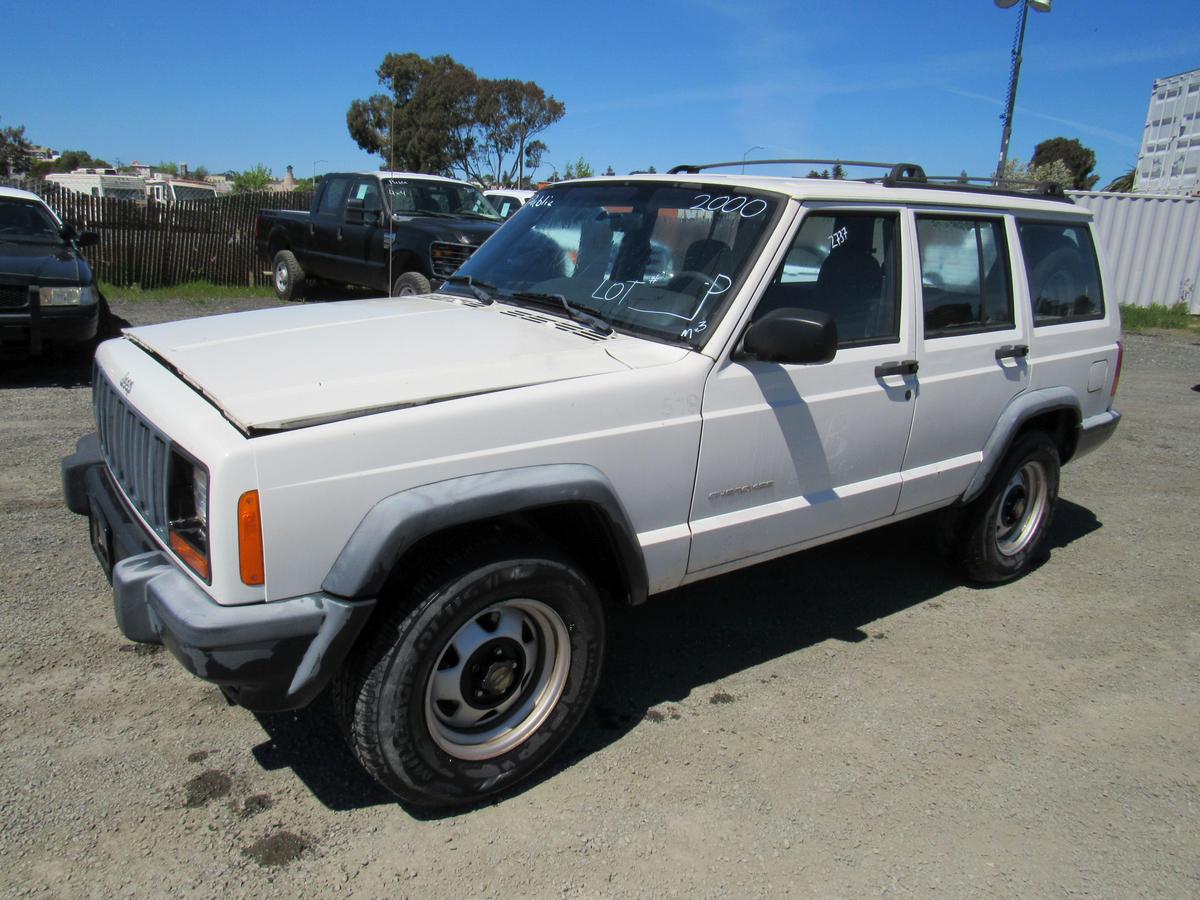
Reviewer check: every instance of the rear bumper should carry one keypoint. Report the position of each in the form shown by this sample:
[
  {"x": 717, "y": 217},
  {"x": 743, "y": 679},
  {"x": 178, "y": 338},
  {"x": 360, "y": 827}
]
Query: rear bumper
[
  {"x": 264, "y": 656},
  {"x": 1094, "y": 431}
]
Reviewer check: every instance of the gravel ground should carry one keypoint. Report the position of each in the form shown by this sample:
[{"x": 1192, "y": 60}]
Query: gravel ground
[{"x": 844, "y": 722}]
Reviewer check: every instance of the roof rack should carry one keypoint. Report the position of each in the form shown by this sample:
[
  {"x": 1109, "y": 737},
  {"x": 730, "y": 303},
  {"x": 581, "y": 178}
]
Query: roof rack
[
  {"x": 898, "y": 171},
  {"x": 907, "y": 174}
]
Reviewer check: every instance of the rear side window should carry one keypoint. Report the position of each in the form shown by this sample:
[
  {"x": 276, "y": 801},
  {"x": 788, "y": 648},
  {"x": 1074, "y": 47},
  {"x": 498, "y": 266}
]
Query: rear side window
[
  {"x": 334, "y": 195},
  {"x": 1064, "y": 275},
  {"x": 964, "y": 275}
]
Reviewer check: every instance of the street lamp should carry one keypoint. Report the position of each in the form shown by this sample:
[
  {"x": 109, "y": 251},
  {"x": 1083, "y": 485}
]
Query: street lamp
[
  {"x": 315, "y": 161},
  {"x": 1014, "y": 74},
  {"x": 747, "y": 153}
]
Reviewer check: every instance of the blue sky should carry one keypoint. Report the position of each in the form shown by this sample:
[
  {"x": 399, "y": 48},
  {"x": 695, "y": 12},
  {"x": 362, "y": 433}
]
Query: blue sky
[{"x": 645, "y": 83}]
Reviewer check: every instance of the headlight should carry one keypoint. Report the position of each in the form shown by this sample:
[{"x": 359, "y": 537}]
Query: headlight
[
  {"x": 187, "y": 512},
  {"x": 67, "y": 296}
]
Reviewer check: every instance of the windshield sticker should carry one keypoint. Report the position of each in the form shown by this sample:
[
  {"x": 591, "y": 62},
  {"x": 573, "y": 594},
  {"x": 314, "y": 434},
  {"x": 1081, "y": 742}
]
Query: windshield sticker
[
  {"x": 747, "y": 207},
  {"x": 838, "y": 238}
]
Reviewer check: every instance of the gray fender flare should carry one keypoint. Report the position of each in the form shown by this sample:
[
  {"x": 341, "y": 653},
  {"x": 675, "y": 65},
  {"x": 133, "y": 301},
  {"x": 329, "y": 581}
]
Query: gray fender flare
[
  {"x": 1020, "y": 410},
  {"x": 396, "y": 523}
]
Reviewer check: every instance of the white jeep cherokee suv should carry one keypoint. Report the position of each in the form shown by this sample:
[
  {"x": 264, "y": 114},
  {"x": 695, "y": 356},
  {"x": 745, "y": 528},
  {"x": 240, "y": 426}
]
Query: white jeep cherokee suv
[{"x": 425, "y": 502}]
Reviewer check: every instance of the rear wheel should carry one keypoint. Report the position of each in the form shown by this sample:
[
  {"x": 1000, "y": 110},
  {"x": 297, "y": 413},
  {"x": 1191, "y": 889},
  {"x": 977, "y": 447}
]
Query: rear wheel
[
  {"x": 288, "y": 276},
  {"x": 1002, "y": 533},
  {"x": 410, "y": 283},
  {"x": 478, "y": 678}
]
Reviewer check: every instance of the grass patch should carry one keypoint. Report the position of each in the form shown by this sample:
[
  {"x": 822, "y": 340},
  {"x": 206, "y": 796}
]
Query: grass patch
[
  {"x": 196, "y": 291},
  {"x": 1174, "y": 318}
]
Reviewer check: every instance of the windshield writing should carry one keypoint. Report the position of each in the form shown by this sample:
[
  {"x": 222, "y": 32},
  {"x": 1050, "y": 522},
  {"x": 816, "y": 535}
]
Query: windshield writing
[
  {"x": 662, "y": 260},
  {"x": 415, "y": 197}
]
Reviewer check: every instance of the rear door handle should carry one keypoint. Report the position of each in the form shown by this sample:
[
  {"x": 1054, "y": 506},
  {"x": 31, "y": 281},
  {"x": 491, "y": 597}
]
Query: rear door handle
[
  {"x": 903, "y": 367},
  {"x": 1012, "y": 351}
]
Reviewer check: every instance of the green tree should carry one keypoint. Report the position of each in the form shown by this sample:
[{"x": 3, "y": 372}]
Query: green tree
[
  {"x": 1018, "y": 174},
  {"x": 839, "y": 174},
  {"x": 581, "y": 168},
  {"x": 438, "y": 116},
  {"x": 256, "y": 179},
  {"x": 1124, "y": 182},
  {"x": 1078, "y": 159},
  {"x": 69, "y": 161},
  {"x": 15, "y": 151},
  {"x": 167, "y": 168}
]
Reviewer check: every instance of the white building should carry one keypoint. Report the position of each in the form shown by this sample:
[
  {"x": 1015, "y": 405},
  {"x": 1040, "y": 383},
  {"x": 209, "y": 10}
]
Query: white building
[{"x": 1169, "y": 161}]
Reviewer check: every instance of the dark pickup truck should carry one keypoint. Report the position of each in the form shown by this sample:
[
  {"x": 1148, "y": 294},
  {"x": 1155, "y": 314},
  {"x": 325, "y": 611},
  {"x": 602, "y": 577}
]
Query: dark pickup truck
[{"x": 395, "y": 231}]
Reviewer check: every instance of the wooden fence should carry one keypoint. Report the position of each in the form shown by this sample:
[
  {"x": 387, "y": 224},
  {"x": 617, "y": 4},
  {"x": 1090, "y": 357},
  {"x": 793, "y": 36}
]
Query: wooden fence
[{"x": 153, "y": 245}]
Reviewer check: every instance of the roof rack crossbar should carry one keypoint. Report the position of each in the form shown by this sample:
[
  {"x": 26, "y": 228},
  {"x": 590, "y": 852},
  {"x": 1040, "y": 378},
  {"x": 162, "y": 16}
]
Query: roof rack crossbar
[{"x": 687, "y": 169}]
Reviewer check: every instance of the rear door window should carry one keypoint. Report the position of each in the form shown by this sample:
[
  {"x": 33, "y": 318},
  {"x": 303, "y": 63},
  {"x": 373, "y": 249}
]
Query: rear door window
[
  {"x": 1063, "y": 272},
  {"x": 964, "y": 275}
]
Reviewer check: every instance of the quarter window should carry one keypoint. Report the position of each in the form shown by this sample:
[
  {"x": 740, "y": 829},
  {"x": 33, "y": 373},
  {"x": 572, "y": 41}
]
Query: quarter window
[
  {"x": 1063, "y": 272},
  {"x": 964, "y": 276}
]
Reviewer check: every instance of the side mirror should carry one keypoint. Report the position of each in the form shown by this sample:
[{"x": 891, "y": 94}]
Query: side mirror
[
  {"x": 354, "y": 210},
  {"x": 68, "y": 232},
  {"x": 88, "y": 239},
  {"x": 799, "y": 336}
]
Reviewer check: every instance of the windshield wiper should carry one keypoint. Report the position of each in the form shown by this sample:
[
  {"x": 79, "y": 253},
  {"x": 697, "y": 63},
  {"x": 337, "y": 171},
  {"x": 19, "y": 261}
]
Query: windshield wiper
[
  {"x": 590, "y": 317},
  {"x": 481, "y": 289},
  {"x": 475, "y": 215}
]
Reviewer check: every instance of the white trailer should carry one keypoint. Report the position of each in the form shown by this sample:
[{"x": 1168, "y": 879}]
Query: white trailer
[{"x": 101, "y": 183}]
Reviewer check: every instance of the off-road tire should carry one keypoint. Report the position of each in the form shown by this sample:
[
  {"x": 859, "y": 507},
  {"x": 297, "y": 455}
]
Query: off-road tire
[
  {"x": 410, "y": 283},
  {"x": 287, "y": 276},
  {"x": 1002, "y": 534},
  {"x": 384, "y": 697}
]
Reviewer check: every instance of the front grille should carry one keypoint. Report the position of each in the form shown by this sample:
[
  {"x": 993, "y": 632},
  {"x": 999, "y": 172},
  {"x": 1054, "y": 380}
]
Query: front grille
[
  {"x": 446, "y": 258},
  {"x": 136, "y": 454},
  {"x": 14, "y": 296}
]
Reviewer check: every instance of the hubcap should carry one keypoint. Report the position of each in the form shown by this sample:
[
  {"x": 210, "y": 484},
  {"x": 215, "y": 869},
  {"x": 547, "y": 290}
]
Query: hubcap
[
  {"x": 497, "y": 679},
  {"x": 281, "y": 277},
  {"x": 1022, "y": 509}
]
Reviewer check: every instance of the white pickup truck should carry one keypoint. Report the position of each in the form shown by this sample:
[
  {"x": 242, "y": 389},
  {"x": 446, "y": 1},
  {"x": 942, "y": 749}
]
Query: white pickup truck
[{"x": 425, "y": 503}]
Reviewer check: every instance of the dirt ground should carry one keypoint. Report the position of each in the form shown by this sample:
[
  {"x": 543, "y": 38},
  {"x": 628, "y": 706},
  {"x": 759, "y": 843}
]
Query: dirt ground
[{"x": 845, "y": 722}]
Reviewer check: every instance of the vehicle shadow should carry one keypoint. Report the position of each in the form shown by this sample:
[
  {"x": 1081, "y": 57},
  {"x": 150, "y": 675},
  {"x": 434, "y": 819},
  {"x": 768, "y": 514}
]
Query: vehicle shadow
[{"x": 684, "y": 641}]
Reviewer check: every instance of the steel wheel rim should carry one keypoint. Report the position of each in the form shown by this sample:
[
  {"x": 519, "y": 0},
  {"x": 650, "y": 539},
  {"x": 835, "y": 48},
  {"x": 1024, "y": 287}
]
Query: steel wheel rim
[
  {"x": 406, "y": 291},
  {"x": 1022, "y": 509},
  {"x": 497, "y": 679},
  {"x": 281, "y": 277}
]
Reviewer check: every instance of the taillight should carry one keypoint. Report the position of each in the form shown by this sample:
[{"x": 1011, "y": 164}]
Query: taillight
[
  {"x": 1117, "y": 372},
  {"x": 250, "y": 543}
]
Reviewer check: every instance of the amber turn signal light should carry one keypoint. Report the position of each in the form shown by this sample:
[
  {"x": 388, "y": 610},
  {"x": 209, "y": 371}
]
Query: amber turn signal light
[{"x": 250, "y": 543}]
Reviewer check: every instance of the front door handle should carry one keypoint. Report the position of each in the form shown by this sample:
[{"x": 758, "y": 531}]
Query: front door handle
[
  {"x": 903, "y": 367},
  {"x": 1012, "y": 351}
]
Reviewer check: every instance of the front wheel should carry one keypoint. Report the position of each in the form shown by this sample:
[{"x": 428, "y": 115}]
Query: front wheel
[
  {"x": 476, "y": 680},
  {"x": 1002, "y": 533}
]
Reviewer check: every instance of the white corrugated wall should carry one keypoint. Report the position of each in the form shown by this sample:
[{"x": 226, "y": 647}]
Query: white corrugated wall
[{"x": 1151, "y": 246}]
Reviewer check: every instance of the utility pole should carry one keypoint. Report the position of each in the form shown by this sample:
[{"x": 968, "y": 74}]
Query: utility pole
[{"x": 1014, "y": 74}]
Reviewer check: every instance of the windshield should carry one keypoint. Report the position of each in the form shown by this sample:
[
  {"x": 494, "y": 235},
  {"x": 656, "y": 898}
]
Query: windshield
[
  {"x": 446, "y": 198},
  {"x": 662, "y": 260},
  {"x": 23, "y": 221}
]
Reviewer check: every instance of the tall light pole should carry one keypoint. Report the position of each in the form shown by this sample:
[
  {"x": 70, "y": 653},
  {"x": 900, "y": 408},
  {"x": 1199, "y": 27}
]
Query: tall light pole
[
  {"x": 749, "y": 150},
  {"x": 315, "y": 161},
  {"x": 1013, "y": 74}
]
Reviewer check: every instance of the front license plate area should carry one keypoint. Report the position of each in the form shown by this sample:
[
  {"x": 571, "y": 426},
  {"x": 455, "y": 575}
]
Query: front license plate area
[{"x": 101, "y": 536}]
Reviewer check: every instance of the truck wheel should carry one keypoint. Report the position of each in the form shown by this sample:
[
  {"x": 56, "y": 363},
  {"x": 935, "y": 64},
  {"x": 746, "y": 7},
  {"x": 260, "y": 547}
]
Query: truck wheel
[
  {"x": 478, "y": 678},
  {"x": 1001, "y": 534},
  {"x": 410, "y": 283},
  {"x": 289, "y": 277}
]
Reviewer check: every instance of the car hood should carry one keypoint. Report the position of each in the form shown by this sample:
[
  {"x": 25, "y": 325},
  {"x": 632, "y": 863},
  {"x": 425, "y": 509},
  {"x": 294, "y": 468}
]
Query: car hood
[
  {"x": 278, "y": 369},
  {"x": 452, "y": 231},
  {"x": 51, "y": 264}
]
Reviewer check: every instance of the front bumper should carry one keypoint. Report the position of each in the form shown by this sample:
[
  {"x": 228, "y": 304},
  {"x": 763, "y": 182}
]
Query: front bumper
[
  {"x": 31, "y": 328},
  {"x": 264, "y": 656}
]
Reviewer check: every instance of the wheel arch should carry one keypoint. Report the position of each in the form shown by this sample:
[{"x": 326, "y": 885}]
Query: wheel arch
[
  {"x": 277, "y": 240},
  {"x": 574, "y": 505},
  {"x": 1054, "y": 410}
]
